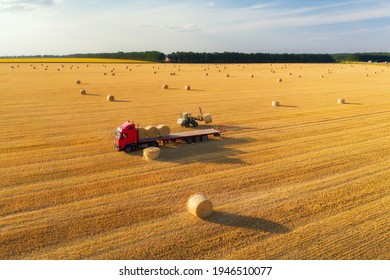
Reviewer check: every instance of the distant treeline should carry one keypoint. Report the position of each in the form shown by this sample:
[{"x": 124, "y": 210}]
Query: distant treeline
[
  {"x": 235, "y": 57},
  {"x": 154, "y": 56}
]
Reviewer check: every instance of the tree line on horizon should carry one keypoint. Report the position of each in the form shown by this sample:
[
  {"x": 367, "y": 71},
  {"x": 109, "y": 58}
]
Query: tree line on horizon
[{"x": 234, "y": 57}]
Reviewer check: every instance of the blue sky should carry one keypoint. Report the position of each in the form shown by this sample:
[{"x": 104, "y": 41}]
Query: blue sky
[{"x": 33, "y": 27}]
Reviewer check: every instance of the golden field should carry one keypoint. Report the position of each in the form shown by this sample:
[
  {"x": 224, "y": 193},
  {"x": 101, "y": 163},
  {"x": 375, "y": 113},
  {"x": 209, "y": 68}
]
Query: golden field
[{"x": 309, "y": 179}]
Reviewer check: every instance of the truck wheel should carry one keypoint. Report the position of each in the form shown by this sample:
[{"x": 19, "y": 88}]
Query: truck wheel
[
  {"x": 128, "y": 149},
  {"x": 205, "y": 138},
  {"x": 196, "y": 139},
  {"x": 153, "y": 144},
  {"x": 195, "y": 124},
  {"x": 189, "y": 140}
]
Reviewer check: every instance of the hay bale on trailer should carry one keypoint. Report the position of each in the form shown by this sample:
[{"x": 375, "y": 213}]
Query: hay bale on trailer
[
  {"x": 163, "y": 130},
  {"x": 142, "y": 133},
  {"x": 199, "y": 205},
  {"x": 151, "y": 131}
]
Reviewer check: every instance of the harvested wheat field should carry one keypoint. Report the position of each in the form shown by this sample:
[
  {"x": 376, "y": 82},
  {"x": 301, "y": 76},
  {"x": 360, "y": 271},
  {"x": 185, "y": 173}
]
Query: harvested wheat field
[{"x": 308, "y": 179}]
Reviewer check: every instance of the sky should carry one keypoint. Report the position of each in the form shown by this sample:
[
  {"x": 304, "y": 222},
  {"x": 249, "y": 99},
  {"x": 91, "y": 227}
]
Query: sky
[{"x": 61, "y": 27}]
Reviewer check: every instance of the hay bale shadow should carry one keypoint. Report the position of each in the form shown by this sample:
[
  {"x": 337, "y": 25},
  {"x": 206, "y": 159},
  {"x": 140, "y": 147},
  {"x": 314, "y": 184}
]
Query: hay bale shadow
[
  {"x": 121, "y": 101},
  {"x": 287, "y": 106},
  {"x": 196, "y": 90},
  {"x": 352, "y": 103},
  {"x": 246, "y": 222}
]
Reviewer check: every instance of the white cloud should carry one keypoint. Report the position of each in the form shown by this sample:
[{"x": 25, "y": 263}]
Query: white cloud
[{"x": 26, "y": 5}]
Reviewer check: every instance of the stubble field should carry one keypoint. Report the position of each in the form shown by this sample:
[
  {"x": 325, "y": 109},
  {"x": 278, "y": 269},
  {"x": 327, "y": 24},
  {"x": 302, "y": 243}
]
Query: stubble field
[{"x": 306, "y": 180}]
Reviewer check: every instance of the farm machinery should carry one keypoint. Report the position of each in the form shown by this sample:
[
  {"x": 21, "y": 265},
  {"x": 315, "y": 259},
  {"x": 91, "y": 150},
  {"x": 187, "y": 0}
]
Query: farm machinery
[
  {"x": 187, "y": 119},
  {"x": 128, "y": 137}
]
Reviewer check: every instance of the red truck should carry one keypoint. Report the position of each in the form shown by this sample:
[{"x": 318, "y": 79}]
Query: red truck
[{"x": 127, "y": 137}]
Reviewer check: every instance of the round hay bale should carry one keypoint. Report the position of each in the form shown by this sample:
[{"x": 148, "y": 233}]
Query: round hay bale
[
  {"x": 165, "y": 86},
  {"x": 110, "y": 98},
  {"x": 163, "y": 130},
  {"x": 199, "y": 205},
  {"x": 83, "y": 92},
  {"x": 341, "y": 101},
  {"x": 252, "y": 76},
  {"x": 227, "y": 75},
  {"x": 152, "y": 153},
  {"x": 207, "y": 118},
  {"x": 187, "y": 88},
  {"x": 275, "y": 103},
  {"x": 142, "y": 133},
  {"x": 279, "y": 80},
  {"x": 78, "y": 82},
  {"x": 151, "y": 131}
]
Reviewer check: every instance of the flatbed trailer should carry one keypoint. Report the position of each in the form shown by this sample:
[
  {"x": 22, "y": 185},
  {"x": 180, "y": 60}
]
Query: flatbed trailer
[{"x": 127, "y": 137}]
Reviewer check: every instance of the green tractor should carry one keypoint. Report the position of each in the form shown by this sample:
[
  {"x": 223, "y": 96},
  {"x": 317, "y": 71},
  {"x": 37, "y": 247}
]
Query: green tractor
[{"x": 186, "y": 119}]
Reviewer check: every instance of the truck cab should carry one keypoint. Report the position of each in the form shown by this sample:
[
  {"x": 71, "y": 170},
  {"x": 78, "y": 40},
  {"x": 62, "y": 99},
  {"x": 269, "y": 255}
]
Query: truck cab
[{"x": 125, "y": 136}]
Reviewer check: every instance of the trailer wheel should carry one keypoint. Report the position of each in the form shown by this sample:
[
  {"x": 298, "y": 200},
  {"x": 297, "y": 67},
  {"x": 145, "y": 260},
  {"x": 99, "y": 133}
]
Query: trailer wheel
[
  {"x": 189, "y": 140},
  {"x": 205, "y": 138},
  {"x": 196, "y": 139},
  {"x": 195, "y": 124}
]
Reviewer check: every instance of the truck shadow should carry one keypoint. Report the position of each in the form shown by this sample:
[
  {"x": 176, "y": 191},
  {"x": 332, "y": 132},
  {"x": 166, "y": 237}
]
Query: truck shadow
[
  {"x": 246, "y": 222},
  {"x": 211, "y": 151}
]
